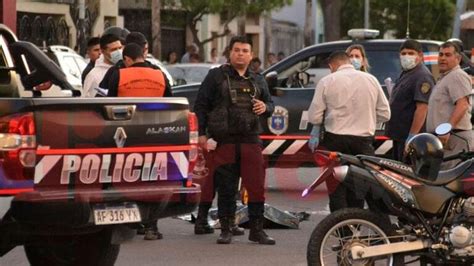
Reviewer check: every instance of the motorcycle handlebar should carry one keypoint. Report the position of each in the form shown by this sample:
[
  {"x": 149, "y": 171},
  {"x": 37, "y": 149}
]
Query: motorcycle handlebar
[{"x": 463, "y": 156}]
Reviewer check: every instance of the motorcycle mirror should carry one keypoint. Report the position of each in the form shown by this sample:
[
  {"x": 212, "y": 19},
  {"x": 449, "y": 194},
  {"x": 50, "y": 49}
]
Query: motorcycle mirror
[{"x": 443, "y": 129}]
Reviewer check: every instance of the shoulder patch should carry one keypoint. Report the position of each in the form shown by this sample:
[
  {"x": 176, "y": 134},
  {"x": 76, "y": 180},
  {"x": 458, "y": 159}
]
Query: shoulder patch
[{"x": 425, "y": 87}]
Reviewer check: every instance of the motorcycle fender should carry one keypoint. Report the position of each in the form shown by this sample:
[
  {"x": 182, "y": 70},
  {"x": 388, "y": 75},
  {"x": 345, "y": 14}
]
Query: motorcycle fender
[{"x": 338, "y": 172}]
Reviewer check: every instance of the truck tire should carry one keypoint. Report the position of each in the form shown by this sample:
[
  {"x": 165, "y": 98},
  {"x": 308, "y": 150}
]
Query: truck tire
[{"x": 91, "y": 249}]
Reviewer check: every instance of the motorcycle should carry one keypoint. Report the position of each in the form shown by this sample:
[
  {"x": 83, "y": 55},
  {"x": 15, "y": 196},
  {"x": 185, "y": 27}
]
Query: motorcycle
[{"x": 422, "y": 216}]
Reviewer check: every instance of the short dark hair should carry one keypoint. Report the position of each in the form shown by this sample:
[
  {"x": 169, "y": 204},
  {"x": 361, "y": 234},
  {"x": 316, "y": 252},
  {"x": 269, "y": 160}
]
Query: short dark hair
[
  {"x": 451, "y": 44},
  {"x": 256, "y": 59},
  {"x": 338, "y": 56},
  {"x": 412, "y": 45},
  {"x": 136, "y": 37},
  {"x": 93, "y": 42},
  {"x": 133, "y": 50},
  {"x": 106, "y": 39},
  {"x": 241, "y": 39}
]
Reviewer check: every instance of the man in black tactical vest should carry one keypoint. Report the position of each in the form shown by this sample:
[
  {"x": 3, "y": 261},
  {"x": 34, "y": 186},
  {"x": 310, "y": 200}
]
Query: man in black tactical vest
[{"x": 229, "y": 105}]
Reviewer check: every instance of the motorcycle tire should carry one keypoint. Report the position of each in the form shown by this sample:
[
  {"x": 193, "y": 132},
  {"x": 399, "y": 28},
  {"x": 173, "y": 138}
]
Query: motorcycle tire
[
  {"x": 337, "y": 223},
  {"x": 90, "y": 249}
]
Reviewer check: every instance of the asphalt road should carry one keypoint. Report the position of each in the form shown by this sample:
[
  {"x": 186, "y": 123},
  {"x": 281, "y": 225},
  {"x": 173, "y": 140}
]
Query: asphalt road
[{"x": 181, "y": 247}]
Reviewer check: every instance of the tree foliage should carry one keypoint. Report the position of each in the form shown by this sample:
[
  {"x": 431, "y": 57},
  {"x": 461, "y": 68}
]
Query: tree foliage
[
  {"x": 429, "y": 19},
  {"x": 228, "y": 9}
]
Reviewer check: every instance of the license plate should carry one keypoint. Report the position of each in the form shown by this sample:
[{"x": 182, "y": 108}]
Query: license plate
[{"x": 116, "y": 214}]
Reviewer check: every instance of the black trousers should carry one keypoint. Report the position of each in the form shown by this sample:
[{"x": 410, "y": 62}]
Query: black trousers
[
  {"x": 398, "y": 150},
  {"x": 341, "y": 196}
]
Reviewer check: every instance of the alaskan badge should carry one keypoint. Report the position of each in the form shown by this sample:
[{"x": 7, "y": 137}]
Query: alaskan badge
[{"x": 278, "y": 122}]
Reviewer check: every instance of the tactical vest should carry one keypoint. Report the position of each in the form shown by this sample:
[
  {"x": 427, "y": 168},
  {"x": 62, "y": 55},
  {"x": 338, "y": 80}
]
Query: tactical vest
[
  {"x": 233, "y": 114},
  {"x": 141, "y": 82}
]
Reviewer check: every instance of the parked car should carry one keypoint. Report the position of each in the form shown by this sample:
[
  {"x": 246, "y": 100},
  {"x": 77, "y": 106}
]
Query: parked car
[
  {"x": 70, "y": 62},
  {"x": 190, "y": 73},
  {"x": 150, "y": 58}
]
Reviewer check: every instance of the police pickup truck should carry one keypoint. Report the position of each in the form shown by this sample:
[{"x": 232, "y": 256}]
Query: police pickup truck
[
  {"x": 292, "y": 82},
  {"x": 78, "y": 175}
]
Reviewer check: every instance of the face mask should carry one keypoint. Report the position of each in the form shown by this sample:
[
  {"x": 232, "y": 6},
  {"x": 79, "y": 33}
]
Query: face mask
[
  {"x": 357, "y": 63},
  {"x": 116, "y": 56},
  {"x": 408, "y": 61}
]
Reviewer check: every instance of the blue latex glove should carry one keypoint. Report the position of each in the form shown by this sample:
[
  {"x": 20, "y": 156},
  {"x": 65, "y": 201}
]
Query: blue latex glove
[
  {"x": 410, "y": 136},
  {"x": 314, "y": 138}
]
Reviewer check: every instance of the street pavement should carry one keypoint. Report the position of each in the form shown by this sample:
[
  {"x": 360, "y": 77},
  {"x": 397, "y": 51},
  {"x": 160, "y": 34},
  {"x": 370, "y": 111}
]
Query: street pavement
[{"x": 181, "y": 247}]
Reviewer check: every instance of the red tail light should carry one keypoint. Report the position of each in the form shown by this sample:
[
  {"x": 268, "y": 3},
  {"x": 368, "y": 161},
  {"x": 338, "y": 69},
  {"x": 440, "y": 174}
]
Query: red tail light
[
  {"x": 18, "y": 146},
  {"x": 193, "y": 140}
]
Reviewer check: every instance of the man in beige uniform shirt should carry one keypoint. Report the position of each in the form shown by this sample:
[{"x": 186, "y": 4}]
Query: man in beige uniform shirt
[
  {"x": 450, "y": 102},
  {"x": 350, "y": 103}
]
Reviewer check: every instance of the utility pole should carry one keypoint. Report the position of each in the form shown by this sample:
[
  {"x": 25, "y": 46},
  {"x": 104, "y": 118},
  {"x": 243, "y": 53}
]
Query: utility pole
[
  {"x": 308, "y": 24},
  {"x": 366, "y": 14},
  {"x": 460, "y": 6},
  {"x": 316, "y": 21},
  {"x": 156, "y": 27},
  {"x": 81, "y": 31}
]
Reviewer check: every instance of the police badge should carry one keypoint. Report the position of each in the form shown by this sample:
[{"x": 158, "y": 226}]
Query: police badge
[
  {"x": 425, "y": 87},
  {"x": 278, "y": 122}
]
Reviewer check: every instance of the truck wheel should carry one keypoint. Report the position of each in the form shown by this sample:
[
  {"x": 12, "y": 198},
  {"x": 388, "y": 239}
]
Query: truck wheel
[{"x": 91, "y": 249}]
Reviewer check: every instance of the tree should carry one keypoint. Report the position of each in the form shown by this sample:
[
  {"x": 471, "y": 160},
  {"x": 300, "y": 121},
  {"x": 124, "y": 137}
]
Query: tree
[
  {"x": 228, "y": 9},
  {"x": 429, "y": 19},
  {"x": 332, "y": 18}
]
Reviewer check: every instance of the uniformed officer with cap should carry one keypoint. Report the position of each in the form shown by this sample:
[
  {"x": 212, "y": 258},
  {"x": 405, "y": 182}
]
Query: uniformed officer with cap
[{"x": 409, "y": 99}]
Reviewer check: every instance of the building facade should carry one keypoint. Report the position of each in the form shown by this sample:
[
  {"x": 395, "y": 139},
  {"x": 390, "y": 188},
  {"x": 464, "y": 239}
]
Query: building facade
[{"x": 49, "y": 22}]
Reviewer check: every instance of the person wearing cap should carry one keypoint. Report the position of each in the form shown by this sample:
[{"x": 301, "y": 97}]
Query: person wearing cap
[
  {"x": 93, "y": 53},
  {"x": 409, "y": 98},
  {"x": 350, "y": 103},
  {"x": 451, "y": 102},
  {"x": 138, "y": 79},
  {"x": 111, "y": 49},
  {"x": 139, "y": 39}
]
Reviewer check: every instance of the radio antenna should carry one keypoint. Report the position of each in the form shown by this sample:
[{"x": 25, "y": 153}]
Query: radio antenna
[{"x": 408, "y": 21}]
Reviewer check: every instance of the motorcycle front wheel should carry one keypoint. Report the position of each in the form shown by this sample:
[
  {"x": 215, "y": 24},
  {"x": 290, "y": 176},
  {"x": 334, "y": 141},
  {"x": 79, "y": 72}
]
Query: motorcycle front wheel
[{"x": 333, "y": 238}]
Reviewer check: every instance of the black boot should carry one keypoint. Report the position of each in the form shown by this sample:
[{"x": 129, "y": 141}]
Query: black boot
[
  {"x": 256, "y": 231},
  {"x": 226, "y": 234},
  {"x": 235, "y": 229},
  {"x": 151, "y": 231},
  {"x": 202, "y": 227}
]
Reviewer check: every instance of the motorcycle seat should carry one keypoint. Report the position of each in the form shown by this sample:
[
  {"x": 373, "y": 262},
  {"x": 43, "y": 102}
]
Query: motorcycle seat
[{"x": 447, "y": 176}]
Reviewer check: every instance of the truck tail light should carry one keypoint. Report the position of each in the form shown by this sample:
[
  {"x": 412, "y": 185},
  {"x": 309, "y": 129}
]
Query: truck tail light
[
  {"x": 193, "y": 140},
  {"x": 18, "y": 146}
]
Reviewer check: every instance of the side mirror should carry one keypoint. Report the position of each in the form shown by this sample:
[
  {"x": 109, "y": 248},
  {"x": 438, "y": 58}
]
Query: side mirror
[
  {"x": 443, "y": 129},
  {"x": 180, "y": 82},
  {"x": 272, "y": 79}
]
